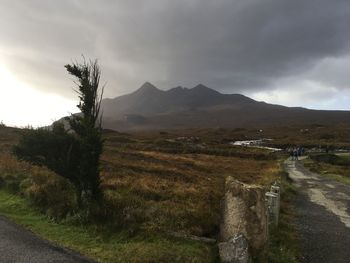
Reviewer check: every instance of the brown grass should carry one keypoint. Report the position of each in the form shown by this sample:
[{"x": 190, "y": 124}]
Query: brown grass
[
  {"x": 153, "y": 185},
  {"x": 312, "y": 135},
  {"x": 170, "y": 189},
  {"x": 148, "y": 185}
]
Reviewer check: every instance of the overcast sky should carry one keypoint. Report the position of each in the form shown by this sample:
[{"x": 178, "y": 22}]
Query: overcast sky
[{"x": 290, "y": 52}]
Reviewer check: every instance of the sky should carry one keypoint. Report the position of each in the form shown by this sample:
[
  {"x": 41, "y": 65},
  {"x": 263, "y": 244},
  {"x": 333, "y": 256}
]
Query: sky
[{"x": 289, "y": 52}]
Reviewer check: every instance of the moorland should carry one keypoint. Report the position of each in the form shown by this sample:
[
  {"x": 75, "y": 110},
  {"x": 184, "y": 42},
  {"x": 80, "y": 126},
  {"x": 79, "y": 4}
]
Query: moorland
[
  {"x": 153, "y": 185},
  {"x": 160, "y": 189}
]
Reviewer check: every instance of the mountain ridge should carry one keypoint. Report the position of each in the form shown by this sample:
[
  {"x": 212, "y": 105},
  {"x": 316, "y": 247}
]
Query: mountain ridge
[{"x": 150, "y": 108}]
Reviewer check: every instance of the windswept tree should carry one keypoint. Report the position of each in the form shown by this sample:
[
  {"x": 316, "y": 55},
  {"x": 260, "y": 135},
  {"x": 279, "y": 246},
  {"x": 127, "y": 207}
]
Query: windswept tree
[
  {"x": 73, "y": 154},
  {"x": 87, "y": 126}
]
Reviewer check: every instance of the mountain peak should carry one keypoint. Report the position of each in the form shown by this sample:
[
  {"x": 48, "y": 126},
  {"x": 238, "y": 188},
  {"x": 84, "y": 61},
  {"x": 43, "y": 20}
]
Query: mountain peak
[
  {"x": 147, "y": 87},
  {"x": 201, "y": 86}
]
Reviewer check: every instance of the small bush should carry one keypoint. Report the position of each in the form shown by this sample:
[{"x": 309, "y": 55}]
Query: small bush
[{"x": 54, "y": 195}]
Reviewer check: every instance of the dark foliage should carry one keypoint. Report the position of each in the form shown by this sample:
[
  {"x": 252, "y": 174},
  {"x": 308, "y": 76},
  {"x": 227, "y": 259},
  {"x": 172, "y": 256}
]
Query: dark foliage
[
  {"x": 72, "y": 154},
  {"x": 56, "y": 149},
  {"x": 87, "y": 126},
  {"x": 330, "y": 159}
]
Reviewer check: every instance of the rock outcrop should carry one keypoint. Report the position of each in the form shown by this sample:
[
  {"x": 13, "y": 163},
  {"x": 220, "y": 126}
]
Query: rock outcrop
[{"x": 244, "y": 213}]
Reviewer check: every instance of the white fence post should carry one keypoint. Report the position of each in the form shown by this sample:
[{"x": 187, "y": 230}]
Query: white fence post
[
  {"x": 273, "y": 203},
  {"x": 277, "y": 190}
]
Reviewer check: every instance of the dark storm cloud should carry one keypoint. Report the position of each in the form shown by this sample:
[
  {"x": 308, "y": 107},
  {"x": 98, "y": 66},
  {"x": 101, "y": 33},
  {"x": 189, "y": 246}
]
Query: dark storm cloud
[{"x": 232, "y": 45}]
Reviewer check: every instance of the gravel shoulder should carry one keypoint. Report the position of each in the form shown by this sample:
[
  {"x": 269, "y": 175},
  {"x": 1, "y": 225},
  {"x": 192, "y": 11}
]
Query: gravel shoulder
[
  {"x": 21, "y": 246},
  {"x": 323, "y": 208}
]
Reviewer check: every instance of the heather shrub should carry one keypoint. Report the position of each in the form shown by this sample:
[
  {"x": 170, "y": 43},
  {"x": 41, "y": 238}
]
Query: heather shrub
[{"x": 52, "y": 194}]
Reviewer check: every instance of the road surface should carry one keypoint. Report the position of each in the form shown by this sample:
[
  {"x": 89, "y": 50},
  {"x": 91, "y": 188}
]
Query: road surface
[
  {"x": 323, "y": 208},
  {"x": 18, "y": 245}
]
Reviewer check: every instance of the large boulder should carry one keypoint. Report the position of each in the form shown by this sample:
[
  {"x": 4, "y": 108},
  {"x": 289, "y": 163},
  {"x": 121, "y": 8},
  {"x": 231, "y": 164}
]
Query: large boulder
[
  {"x": 244, "y": 212},
  {"x": 236, "y": 250}
]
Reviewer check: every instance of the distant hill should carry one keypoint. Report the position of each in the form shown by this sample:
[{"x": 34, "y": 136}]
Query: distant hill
[{"x": 150, "y": 108}]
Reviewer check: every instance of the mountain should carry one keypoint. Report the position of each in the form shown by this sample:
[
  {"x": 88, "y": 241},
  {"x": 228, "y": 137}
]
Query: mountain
[{"x": 150, "y": 108}]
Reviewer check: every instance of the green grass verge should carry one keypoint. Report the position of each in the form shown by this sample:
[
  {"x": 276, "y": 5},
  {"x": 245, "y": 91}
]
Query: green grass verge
[
  {"x": 339, "y": 173},
  {"x": 338, "y": 178},
  {"x": 284, "y": 241},
  {"x": 101, "y": 246}
]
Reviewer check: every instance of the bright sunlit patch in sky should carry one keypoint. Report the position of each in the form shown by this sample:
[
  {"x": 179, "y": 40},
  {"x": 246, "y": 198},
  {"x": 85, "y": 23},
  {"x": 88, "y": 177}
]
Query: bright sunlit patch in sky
[
  {"x": 306, "y": 92},
  {"x": 22, "y": 105}
]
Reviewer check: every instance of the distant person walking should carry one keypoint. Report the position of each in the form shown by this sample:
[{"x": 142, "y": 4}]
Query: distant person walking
[
  {"x": 291, "y": 153},
  {"x": 295, "y": 154}
]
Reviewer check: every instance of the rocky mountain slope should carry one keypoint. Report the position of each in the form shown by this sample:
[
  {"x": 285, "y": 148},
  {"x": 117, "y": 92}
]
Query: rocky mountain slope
[{"x": 149, "y": 108}]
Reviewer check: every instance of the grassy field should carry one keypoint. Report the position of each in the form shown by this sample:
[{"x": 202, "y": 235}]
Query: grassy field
[
  {"x": 103, "y": 247},
  {"x": 154, "y": 185},
  {"x": 335, "y": 167}
]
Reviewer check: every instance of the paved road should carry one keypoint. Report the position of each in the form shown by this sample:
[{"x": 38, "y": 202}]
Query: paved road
[
  {"x": 18, "y": 245},
  {"x": 323, "y": 208}
]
